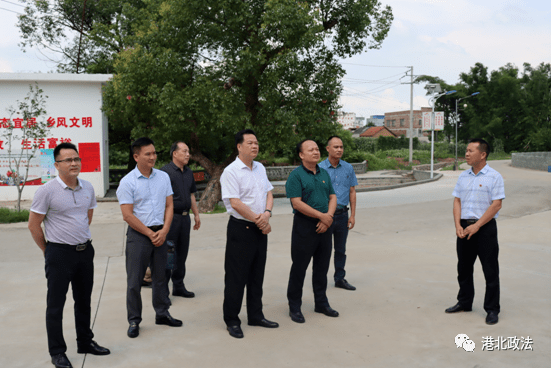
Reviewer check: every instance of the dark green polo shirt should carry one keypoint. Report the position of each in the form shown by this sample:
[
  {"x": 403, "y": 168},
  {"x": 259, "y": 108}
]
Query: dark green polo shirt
[{"x": 314, "y": 189}]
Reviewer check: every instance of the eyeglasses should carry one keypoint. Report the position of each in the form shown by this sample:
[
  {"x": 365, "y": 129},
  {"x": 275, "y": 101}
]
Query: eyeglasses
[{"x": 70, "y": 160}]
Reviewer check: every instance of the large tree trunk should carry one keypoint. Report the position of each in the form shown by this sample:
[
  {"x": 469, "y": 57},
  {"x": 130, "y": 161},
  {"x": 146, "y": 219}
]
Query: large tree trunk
[{"x": 213, "y": 193}]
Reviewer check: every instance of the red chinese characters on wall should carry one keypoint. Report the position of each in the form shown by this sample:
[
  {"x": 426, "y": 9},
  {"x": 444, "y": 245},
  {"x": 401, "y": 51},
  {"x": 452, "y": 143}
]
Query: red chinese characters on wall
[{"x": 59, "y": 122}]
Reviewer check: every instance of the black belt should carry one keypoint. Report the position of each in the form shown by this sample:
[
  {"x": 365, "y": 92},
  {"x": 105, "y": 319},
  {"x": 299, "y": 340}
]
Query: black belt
[
  {"x": 77, "y": 247},
  {"x": 183, "y": 213},
  {"x": 246, "y": 222},
  {"x": 155, "y": 227},
  {"x": 341, "y": 210},
  {"x": 470, "y": 221},
  {"x": 302, "y": 215}
]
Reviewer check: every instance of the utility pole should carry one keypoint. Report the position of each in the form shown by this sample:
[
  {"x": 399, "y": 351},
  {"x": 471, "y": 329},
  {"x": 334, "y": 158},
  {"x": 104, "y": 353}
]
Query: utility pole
[{"x": 411, "y": 118}]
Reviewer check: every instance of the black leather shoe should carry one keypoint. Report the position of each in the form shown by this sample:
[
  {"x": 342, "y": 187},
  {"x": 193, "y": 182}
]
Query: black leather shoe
[
  {"x": 183, "y": 292},
  {"x": 458, "y": 308},
  {"x": 93, "y": 348},
  {"x": 297, "y": 317},
  {"x": 133, "y": 330},
  {"x": 491, "y": 318},
  {"x": 264, "y": 323},
  {"x": 146, "y": 283},
  {"x": 328, "y": 311},
  {"x": 168, "y": 320},
  {"x": 235, "y": 331},
  {"x": 343, "y": 284},
  {"x": 61, "y": 361}
]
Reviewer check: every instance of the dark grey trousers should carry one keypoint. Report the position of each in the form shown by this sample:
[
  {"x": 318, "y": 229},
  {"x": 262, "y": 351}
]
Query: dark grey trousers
[{"x": 140, "y": 253}]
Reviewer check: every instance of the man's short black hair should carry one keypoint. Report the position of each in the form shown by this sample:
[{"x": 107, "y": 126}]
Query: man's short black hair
[
  {"x": 330, "y": 138},
  {"x": 299, "y": 145},
  {"x": 64, "y": 145},
  {"x": 139, "y": 143},
  {"x": 483, "y": 146},
  {"x": 239, "y": 135},
  {"x": 174, "y": 147}
]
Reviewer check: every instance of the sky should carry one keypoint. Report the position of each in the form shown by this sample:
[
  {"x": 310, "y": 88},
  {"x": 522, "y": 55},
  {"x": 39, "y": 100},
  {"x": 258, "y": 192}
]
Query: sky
[{"x": 442, "y": 38}]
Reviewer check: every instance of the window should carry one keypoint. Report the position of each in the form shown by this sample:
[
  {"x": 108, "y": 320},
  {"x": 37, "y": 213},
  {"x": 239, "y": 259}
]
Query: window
[
  {"x": 420, "y": 122},
  {"x": 393, "y": 122},
  {"x": 401, "y": 122}
]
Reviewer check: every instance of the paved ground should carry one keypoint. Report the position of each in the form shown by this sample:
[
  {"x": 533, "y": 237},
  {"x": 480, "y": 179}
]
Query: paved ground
[{"x": 401, "y": 258}]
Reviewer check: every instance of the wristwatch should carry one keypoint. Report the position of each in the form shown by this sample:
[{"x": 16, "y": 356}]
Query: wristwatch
[{"x": 268, "y": 211}]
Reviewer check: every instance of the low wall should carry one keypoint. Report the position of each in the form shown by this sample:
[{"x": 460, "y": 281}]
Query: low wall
[
  {"x": 532, "y": 160},
  {"x": 276, "y": 173}
]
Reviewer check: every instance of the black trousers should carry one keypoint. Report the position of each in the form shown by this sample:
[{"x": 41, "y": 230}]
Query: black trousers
[
  {"x": 483, "y": 245},
  {"x": 306, "y": 244},
  {"x": 140, "y": 253},
  {"x": 246, "y": 249},
  {"x": 64, "y": 265},
  {"x": 179, "y": 235}
]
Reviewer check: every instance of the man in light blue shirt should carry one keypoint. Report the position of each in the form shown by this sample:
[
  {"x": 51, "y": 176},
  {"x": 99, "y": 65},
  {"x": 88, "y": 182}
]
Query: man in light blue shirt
[
  {"x": 479, "y": 193},
  {"x": 344, "y": 183},
  {"x": 145, "y": 197}
]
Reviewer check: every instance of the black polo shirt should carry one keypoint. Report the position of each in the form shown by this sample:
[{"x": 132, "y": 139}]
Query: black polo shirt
[
  {"x": 313, "y": 188},
  {"x": 183, "y": 185}
]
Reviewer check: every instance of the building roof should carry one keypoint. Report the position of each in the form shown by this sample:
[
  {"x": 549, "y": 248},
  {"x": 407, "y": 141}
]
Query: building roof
[{"x": 371, "y": 132}]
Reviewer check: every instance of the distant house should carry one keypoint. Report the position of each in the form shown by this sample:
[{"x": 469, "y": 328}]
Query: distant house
[
  {"x": 398, "y": 122},
  {"x": 379, "y": 131}
]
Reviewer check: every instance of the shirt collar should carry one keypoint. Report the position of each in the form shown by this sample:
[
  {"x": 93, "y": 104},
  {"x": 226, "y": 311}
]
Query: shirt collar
[
  {"x": 330, "y": 165},
  {"x": 242, "y": 165},
  {"x": 138, "y": 174},
  {"x": 64, "y": 186},
  {"x": 175, "y": 167},
  {"x": 483, "y": 171},
  {"x": 309, "y": 171}
]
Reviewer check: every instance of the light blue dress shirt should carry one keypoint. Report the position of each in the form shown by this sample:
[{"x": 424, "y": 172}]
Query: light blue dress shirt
[
  {"x": 477, "y": 192},
  {"x": 147, "y": 195},
  {"x": 342, "y": 177}
]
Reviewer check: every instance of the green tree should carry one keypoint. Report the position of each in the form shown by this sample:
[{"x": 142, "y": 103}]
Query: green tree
[
  {"x": 202, "y": 70},
  {"x": 27, "y": 123},
  {"x": 79, "y": 36}
]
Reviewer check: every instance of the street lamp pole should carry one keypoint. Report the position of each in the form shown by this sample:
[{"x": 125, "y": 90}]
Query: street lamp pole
[
  {"x": 457, "y": 123},
  {"x": 433, "y": 99}
]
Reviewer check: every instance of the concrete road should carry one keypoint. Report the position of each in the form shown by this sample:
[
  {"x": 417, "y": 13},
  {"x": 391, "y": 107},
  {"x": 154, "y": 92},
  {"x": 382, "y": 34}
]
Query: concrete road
[{"x": 401, "y": 257}]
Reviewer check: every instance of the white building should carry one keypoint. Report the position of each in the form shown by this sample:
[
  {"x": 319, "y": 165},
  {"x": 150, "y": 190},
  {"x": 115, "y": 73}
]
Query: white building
[
  {"x": 347, "y": 119},
  {"x": 73, "y": 111}
]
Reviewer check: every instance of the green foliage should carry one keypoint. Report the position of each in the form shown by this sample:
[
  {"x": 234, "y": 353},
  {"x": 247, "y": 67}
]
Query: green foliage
[
  {"x": 8, "y": 216},
  {"x": 217, "y": 209},
  {"x": 512, "y": 111},
  {"x": 31, "y": 113}
]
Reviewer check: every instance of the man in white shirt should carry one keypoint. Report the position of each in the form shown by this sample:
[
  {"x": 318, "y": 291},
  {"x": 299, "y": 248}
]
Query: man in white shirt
[{"x": 247, "y": 195}]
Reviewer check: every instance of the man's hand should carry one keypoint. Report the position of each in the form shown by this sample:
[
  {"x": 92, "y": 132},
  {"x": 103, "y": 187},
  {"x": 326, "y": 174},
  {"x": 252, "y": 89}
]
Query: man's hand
[
  {"x": 471, "y": 230},
  {"x": 197, "y": 223},
  {"x": 262, "y": 220},
  {"x": 267, "y": 230},
  {"x": 326, "y": 219},
  {"x": 321, "y": 228},
  {"x": 351, "y": 222},
  {"x": 158, "y": 238},
  {"x": 460, "y": 232}
]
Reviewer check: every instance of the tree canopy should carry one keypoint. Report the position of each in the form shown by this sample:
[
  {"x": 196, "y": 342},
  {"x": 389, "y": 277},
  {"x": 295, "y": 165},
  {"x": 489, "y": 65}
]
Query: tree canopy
[
  {"x": 202, "y": 70},
  {"x": 512, "y": 110}
]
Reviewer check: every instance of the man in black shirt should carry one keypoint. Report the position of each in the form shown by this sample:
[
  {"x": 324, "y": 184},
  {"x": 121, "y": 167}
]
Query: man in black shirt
[{"x": 183, "y": 186}]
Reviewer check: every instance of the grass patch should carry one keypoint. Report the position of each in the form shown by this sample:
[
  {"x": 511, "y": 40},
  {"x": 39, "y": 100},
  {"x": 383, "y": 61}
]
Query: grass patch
[
  {"x": 8, "y": 216},
  {"x": 450, "y": 167},
  {"x": 217, "y": 209}
]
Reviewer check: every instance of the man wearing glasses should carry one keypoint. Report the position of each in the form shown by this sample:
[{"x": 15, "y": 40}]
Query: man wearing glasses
[
  {"x": 66, "y": 206},
  {"x": 145, "y": 197}
]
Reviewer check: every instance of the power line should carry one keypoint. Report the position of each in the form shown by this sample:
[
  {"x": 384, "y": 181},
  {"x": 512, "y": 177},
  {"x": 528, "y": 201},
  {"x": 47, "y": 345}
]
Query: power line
[
  {"x": 6, "y": 1},
  {"x": 377, "y": 66},
  {"x": 11, "y": 11}
]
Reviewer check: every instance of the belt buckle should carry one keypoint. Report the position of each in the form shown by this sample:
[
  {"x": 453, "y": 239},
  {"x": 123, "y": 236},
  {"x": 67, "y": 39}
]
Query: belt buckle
[{"x": 80, "y": 247}]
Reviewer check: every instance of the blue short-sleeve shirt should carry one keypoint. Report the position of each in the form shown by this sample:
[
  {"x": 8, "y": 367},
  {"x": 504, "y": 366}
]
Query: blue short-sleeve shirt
[
  {"x": 147, "y": 195},
  {"x": 477, "y": 192},
  {"x": 342, "y": 177}
]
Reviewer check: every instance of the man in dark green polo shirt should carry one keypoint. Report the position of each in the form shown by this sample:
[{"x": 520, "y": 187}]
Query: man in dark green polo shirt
[{"x": 314, "y": 203}]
